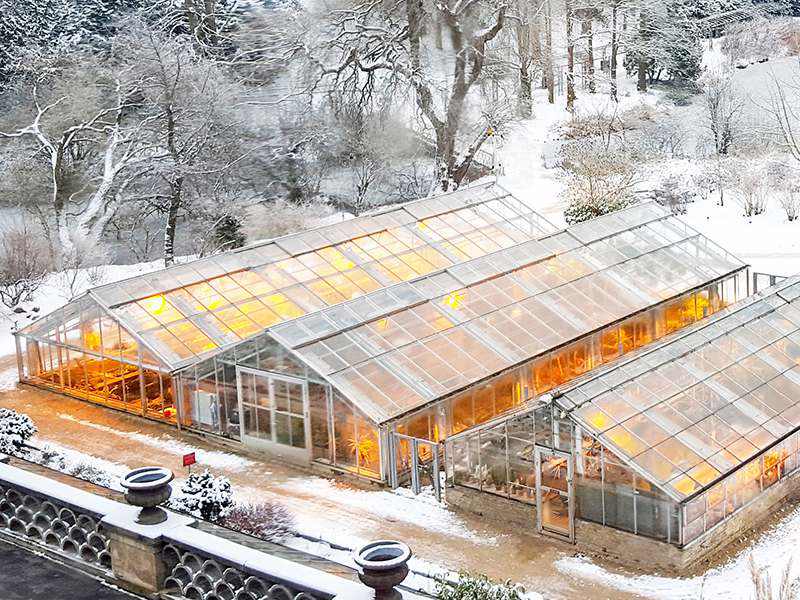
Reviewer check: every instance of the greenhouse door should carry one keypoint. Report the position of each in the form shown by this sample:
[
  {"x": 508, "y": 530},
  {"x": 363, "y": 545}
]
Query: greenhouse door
[
  {"x": 272, "y": 413},
  {"x": 554, "y": 509},
  {"x": 416, "y": 462}
]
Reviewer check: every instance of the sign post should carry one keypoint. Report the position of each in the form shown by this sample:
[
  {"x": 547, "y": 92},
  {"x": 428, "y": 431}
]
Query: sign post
[{"x": 189, "y": 460}]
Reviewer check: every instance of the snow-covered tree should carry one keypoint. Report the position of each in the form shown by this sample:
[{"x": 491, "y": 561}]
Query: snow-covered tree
[
  {"x": 15, "y": 430},
  {"x": 77, "y": 115},
  {"x": 723, "y": 107},
  {"x": 375, "y": 51},
  {"x": 205, "y": 495}
]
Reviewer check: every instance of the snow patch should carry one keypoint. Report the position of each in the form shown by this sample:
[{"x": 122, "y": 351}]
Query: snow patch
[
  {"x": 730, "y": 581},
  {"x": 388, "y": 505},
  {"x": 74, "y": 459},
  {"x": 8, "y": 379},
  {"x": 209, "y": 458}
]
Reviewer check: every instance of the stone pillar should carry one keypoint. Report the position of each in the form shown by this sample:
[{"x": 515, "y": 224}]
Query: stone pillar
[
  {"x": 137, "y": 561},
  {"x": 136, "y": 557}
]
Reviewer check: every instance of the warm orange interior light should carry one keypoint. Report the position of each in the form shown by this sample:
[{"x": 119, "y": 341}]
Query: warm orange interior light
[
  {"x": 599, "y": 420},
  {"x": 92, "y": 340},
  {"x": 685, "y": 486},
  {"x": 454, "y": 300},
  {"x": 155, "y": 305}
]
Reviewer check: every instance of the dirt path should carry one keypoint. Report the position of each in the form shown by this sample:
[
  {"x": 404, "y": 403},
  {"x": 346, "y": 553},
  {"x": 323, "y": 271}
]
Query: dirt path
[{"x": 331, "y": 509}]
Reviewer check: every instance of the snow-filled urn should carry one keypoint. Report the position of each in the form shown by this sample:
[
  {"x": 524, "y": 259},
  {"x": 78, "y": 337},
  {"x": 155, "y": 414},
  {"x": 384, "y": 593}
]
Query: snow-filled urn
[
  {"x": 148, "y": 487},
  {"x": 382, "y": 566}
]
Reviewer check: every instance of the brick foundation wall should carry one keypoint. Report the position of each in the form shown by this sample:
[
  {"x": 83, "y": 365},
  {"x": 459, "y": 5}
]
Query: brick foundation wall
[
  {"x": 493, "y": 507},
  {"x": 626, "y": 548}
]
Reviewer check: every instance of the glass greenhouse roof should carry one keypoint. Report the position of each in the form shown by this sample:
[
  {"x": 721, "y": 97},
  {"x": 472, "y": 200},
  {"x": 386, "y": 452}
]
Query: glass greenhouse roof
[
  {"x": 486, "y": 320},
  {"x": 192, "y": 310},
  {"x": 692, "y": 409}
]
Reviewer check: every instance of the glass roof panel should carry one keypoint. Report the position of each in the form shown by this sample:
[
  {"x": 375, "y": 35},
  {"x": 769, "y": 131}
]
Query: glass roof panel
[{"x": 734, "y": 394}]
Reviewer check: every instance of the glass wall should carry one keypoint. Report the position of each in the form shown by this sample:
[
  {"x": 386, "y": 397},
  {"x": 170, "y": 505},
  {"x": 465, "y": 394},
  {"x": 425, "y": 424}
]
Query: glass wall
[
  {"x": 740, "y": 487},
  {"x": 86, "y": 354},
  {"x": 499, "y": 459},
  {"x": 610, "y": 493},
  {"x": 481, "y": 403},
  {"x": 341, "y": 436}
]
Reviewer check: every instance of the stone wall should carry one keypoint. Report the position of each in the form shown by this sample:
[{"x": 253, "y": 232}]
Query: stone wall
[
  {"x": 495, "y": 508},
  {"x": 626, "y": 548},
  {"x": 102, "y": 536}
]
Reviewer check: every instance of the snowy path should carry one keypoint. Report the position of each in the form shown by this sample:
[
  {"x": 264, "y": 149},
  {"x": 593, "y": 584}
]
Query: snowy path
[{"x": 329, "y": 509}]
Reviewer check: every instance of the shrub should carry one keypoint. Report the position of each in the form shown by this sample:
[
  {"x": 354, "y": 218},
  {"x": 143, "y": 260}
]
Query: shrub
[
  {"x": 477, "y": 587},
  {"x": 598, "y": 180},
  {"x": 266, "y": 520},
  {"x": 204, "y": 495},
  {"x": 15, "y": 430},
  {"x": 24, "y": 263},
  {"x": 90, "y": 473},
  {"x": 789, "y": 199}
]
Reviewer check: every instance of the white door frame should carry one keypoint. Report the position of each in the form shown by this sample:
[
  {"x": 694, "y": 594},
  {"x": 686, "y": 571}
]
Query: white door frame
[
  {"x": 538, "y": 452},
  {"x": 302, "y": 455}
]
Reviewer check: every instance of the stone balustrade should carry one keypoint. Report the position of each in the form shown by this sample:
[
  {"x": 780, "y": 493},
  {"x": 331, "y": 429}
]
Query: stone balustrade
[{"x": 174, "y": 557}]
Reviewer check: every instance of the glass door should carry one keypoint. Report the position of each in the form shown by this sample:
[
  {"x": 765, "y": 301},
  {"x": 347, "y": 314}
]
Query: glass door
[
  {"x": 554, "y": 509},
  {"x": 273, "y": 411}
]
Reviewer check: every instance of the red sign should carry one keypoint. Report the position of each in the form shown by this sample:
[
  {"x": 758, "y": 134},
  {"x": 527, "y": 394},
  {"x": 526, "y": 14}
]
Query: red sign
[{"x": 189, "y": 459}]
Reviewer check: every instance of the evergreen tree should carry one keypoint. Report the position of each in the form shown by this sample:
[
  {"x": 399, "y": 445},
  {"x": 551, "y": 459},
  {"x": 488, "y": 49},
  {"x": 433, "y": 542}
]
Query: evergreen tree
[
  {"x": 228, "y": 232},
  {"x": 666, "y": 42}
]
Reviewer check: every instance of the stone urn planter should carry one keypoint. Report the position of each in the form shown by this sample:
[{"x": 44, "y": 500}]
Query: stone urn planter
[
  {"x": 383, "y": 565},
  {"x": 148, "y": 487}
]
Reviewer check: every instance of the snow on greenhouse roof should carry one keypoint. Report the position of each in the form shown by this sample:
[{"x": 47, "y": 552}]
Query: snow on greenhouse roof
[
  {"x": 486, "y": 320},
  {"x": 691, "y": 409},
  {"x": 191, "y": 311}
]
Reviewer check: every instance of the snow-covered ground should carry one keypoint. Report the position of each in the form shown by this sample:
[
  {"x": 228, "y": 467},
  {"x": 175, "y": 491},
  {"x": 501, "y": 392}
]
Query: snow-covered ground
[
  {"x": 731, "y": 581},
  {"x": 209, "y": 458}
]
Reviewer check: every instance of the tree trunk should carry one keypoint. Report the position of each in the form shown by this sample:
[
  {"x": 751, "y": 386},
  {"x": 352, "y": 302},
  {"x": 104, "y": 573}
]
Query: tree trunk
[
  {"x": 437, "y": 33},
  {"x": 614, "y": 52},
  {"x": 590, "y": 53},
  {"x": 191, "y": 17},
  {"x": 525, "y": 96},
  {"x": 66, "y": 248},
  {"x": 210, "y": 23},
  {"x": 175, "y": 200},
  {"x": 641, "y": 62},
  {"x": 570, "y": 57},
  {"x": 551, "y": 83}
]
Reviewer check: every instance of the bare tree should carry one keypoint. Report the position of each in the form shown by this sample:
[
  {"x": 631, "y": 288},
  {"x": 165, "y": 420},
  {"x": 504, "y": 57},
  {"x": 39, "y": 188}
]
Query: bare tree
[
  {"x": 783, "y": 110},
  {"x": 615, "y": 11},
  {"x": 723, "y": 109},
  {"x": 373, "y": 46},
  {"x": 24, "y": 262},
  {"x": 192, "y": 119},
  {"x": 548, "y": 53},
  {"x": 569, "y": 16},
  {"x": 90, "y": 150}
]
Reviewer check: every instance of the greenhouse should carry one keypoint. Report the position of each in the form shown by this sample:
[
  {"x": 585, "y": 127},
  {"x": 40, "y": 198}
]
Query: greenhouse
[
  {"x": 361, "y": 345},
  {"x": 673, "y": 442}
]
